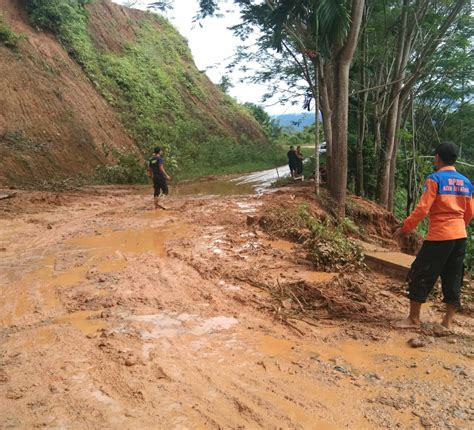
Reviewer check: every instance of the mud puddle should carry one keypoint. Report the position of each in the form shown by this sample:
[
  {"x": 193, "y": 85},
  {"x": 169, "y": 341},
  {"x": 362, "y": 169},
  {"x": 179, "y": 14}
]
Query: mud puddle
[
  {"x": 170, "y": 325},
  {"x": 149, "y": 239},
  {"x": 104, "y": 253},
  {"x": 256, "y": 182},
  {"x": 390, "y": 360},
  {"x": 84, "y": 321}
]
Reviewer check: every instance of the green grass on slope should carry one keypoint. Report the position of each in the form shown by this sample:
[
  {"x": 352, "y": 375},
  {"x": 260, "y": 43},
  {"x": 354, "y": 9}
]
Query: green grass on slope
[{"x": 161, "y": 97}]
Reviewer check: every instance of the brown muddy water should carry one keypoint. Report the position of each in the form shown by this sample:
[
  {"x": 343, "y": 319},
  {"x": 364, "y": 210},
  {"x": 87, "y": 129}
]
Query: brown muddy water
[{"x": 256, "y": 182}]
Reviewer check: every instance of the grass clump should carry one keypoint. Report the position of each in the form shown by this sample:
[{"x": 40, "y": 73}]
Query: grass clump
[{"x": 8, "y": 38}]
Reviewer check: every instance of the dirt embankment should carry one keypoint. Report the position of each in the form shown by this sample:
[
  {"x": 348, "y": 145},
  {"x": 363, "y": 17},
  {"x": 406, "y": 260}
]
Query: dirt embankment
[
  {"x": 53, "y": 123},
  {"x": 118, "y": 316}
]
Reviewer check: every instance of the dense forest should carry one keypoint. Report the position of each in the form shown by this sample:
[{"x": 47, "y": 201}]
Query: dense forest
[{"x": 391, "y": 79}]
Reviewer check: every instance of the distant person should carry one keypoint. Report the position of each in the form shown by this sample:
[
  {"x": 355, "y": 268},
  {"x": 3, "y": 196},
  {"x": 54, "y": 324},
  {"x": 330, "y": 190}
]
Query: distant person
[
  {"x": 299, "y": 161},
  {"x": 447, "y": 200},
  {"x": 160, "y": 178},
  {"x": 292, "y": 161}
]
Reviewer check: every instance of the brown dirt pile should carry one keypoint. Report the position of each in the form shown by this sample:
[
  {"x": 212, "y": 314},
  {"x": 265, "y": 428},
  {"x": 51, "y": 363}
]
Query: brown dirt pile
[
  {"x": 326, "y": 245},
  {"x": 370, "y": 222}
]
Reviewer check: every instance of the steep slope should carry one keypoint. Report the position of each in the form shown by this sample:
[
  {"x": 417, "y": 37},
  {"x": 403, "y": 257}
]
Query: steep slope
[
  {"x": 53, "y": 123},
  {"x": 128, "y": 83}
]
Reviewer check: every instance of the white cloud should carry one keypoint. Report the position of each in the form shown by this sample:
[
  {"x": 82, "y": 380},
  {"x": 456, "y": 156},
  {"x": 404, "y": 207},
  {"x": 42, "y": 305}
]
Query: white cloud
[{"x": 212, "y": 45}]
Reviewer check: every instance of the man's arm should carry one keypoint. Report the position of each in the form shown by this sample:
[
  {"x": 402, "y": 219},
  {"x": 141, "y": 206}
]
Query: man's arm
[
  {"x": 423, "y": 207},
  {"x": 162, "y": 169},
  {"x": 469, "y": 211}
]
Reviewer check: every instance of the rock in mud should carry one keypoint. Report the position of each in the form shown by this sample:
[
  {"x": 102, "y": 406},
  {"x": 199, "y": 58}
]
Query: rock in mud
[
  {"x": 13, "y": 394},
  {"x": 3, "y": 377},
  {"x": 131, "y": 360},
  {"x": 417, "y": 342},
  {"x": 251, "y": 220}
]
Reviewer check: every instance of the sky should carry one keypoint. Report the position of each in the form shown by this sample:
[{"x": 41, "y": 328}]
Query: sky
[{"x": 213, "y": 45}]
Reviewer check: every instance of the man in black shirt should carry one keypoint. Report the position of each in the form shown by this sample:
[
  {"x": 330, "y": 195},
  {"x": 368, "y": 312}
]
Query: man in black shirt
[
  {"x": 157, "y": 171},
  {"x": 292, "y": 161}
]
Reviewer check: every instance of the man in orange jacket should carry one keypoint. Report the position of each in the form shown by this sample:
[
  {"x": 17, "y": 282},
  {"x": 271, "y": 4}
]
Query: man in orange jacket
[{"x": 447, "y": 200}]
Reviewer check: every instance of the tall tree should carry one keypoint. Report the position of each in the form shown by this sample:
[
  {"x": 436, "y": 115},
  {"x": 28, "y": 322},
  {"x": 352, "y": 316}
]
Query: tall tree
[
  {"x": 423, "y": 27},
  {"x": 324, "y": 33}
]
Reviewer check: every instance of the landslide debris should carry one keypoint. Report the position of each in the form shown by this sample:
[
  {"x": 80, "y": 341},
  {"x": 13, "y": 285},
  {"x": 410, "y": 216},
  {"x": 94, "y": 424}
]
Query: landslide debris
[
  {"x": 326, "y": 245},
  {"x": 354, "y": 297}
]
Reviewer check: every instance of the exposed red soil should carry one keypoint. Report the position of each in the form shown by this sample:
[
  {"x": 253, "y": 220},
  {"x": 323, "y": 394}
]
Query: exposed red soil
[
  {"x": 116, "y": 315},
  {"x": 53, "y": 123}
]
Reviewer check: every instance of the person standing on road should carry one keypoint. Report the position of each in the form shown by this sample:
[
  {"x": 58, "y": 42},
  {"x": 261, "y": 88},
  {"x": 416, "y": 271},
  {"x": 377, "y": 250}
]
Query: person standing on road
[
  {"x": 292, "y": 161},
  {"x": 447, "y": 200},
  {"x": 157, "y": 171},
  {"x": 299, "y": 161}
]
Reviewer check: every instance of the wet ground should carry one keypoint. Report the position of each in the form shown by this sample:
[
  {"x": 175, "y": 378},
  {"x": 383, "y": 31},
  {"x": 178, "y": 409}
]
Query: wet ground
[{"x": 118, "y": 316}]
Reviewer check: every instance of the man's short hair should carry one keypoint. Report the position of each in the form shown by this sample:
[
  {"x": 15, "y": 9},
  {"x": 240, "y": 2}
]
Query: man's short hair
[
  {"x": 291, "y": 146},
  {"x": 157, "y": 150},
  {"x": 448, "y": 152}
]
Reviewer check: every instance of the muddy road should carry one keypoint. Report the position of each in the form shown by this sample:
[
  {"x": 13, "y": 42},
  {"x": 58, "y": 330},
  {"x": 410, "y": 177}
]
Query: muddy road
[{"x": 114, "y": 315}]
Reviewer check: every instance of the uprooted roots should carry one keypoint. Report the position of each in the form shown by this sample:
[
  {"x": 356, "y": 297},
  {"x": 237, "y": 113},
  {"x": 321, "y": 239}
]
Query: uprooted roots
[{"x": 350, "y": 297}]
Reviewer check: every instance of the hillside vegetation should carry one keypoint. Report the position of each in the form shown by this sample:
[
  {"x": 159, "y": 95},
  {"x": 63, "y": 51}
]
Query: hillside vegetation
[{"x": 140, "y": 71}]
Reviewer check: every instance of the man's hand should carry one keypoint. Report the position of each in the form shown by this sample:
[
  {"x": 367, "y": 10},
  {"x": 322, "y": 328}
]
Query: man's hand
[
  {"x": 399, "y": 234},
  {"x": 168, "y": 178}
]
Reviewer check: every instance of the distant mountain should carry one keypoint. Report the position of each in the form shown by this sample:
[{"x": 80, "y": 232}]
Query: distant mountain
[{"x": 297, "y": 120}]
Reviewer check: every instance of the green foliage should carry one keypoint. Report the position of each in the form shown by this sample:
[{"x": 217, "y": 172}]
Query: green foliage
[
  {"x": 270, "y": 125},
  {"x": 225, "y": 84},
  {"x": 8, "y": 38},
  {"x": 328, "y": 247},
  {"x": 128, "y": 170}
]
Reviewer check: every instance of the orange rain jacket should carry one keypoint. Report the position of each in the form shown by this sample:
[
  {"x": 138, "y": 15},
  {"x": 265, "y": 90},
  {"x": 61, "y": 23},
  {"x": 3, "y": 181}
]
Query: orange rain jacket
[{"x": 448, "y": 201}]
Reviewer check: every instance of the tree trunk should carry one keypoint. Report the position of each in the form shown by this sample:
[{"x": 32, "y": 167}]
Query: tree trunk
[
  {"x": 361, "y": 120},
  {"x": 338, "y": 184},
  {"x": 316, "y": 150},
  {"x": 387, "y": 150},
  {"x": 393, "y": 162},
  {"x": 359, "y": 180},
  {"x": 340, "y": 65},
  {"x": 326, "y": 102}
]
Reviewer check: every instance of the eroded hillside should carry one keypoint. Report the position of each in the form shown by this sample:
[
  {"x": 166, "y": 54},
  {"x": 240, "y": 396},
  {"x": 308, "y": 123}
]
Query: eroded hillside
[{"x": 114, "y": 80}]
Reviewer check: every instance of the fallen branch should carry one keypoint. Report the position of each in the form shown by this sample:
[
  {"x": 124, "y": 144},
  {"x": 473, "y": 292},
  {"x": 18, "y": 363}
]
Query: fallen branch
[{"x": 8, "y": 196}]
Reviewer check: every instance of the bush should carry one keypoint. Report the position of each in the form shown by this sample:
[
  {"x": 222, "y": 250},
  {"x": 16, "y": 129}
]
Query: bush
[
  {"x": 8, "y": 38},
  {"x": 128, "y": 170}
]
